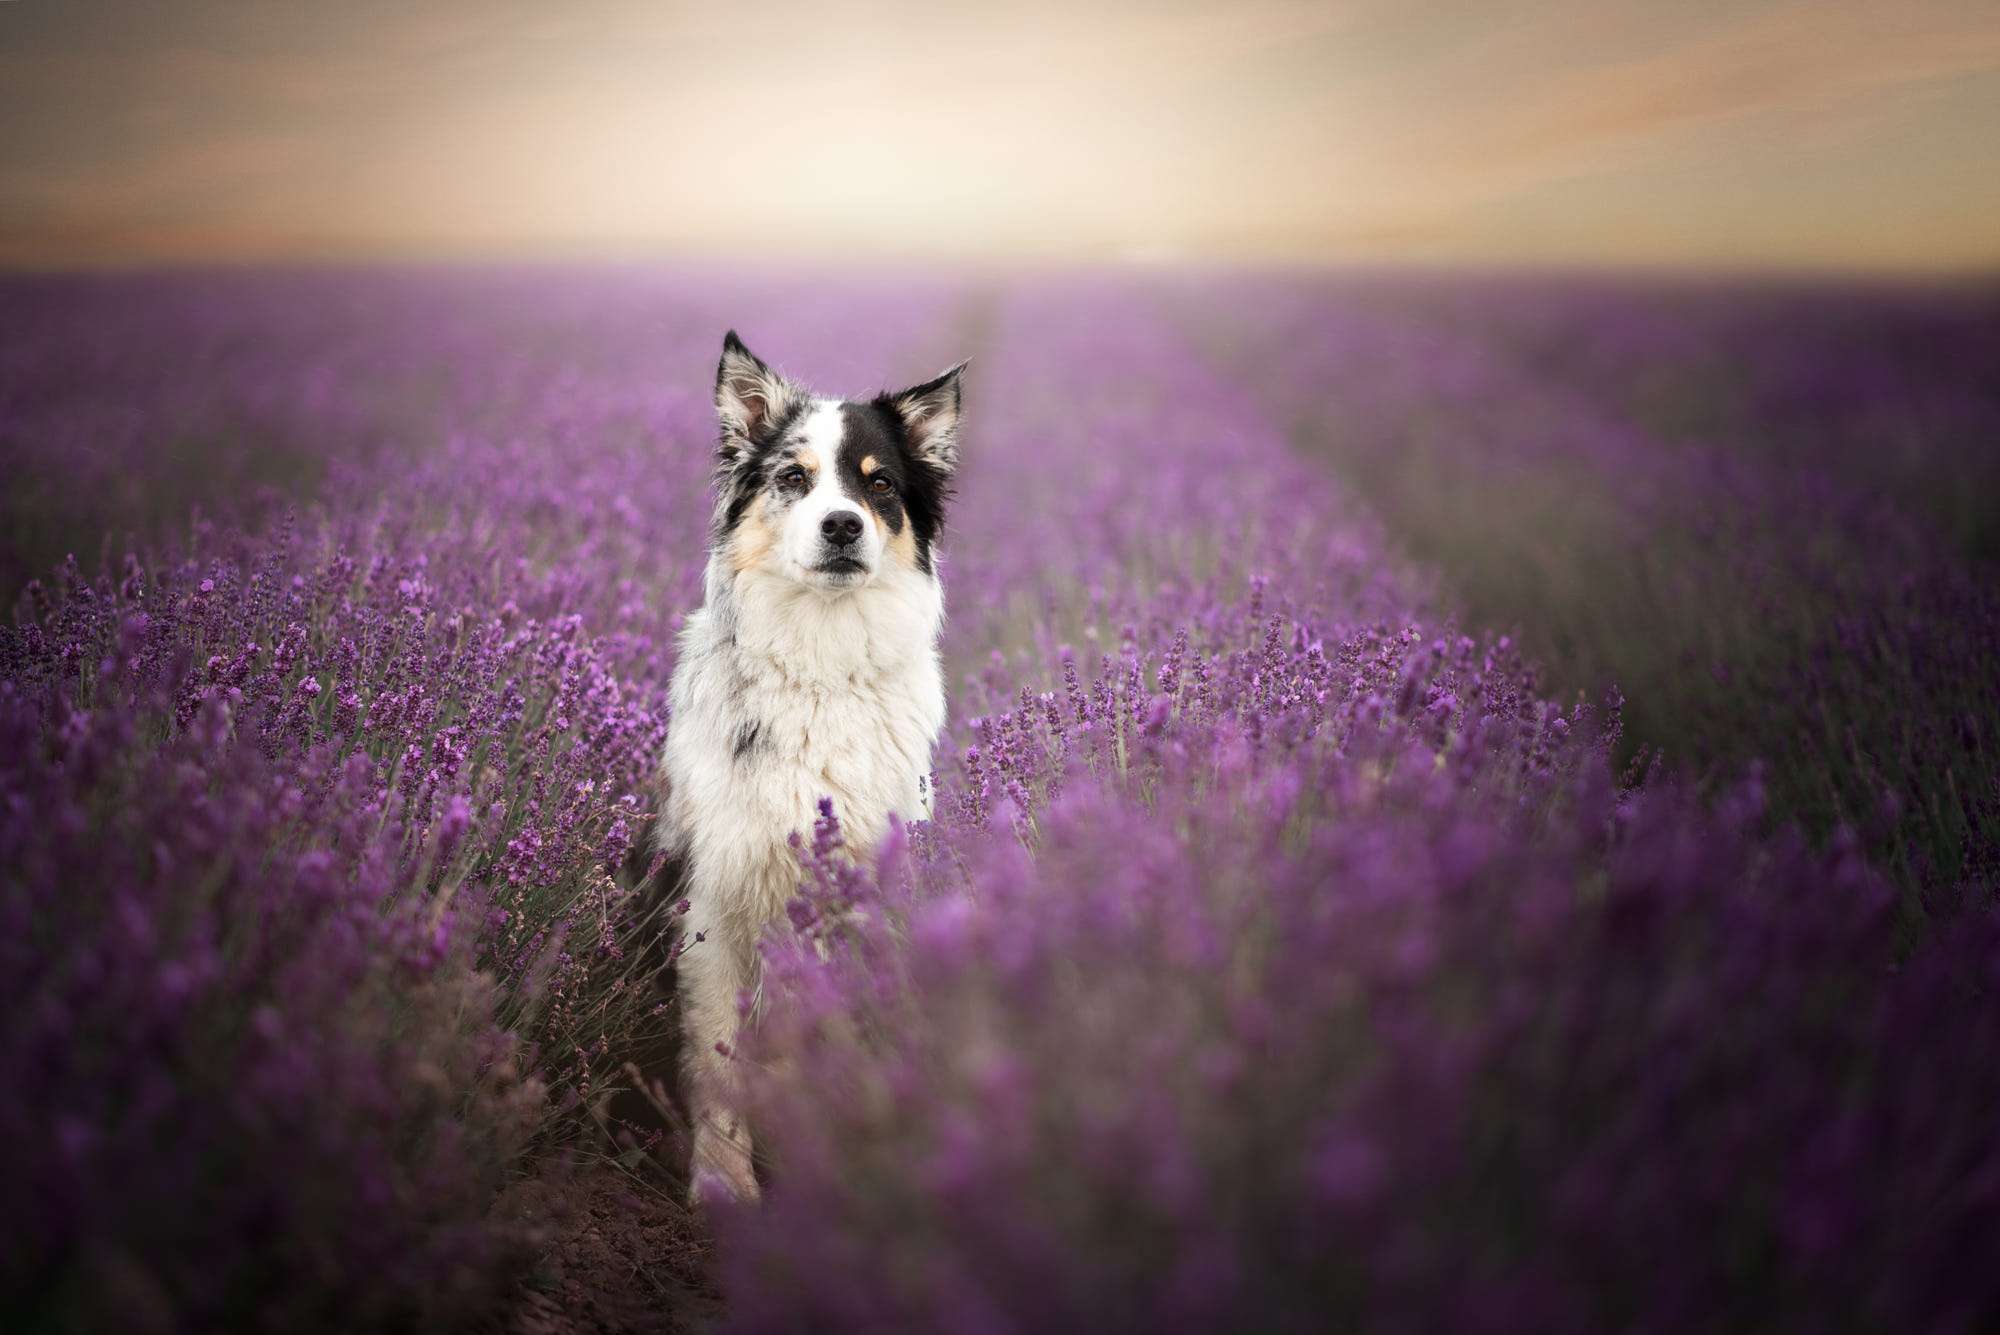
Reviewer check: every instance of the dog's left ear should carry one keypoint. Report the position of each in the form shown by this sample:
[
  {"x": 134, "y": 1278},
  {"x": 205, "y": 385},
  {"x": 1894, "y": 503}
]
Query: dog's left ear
[{"x": 929, "y": 413}]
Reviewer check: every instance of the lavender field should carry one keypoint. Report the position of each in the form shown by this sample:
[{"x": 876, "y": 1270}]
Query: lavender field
[{"x": 1467, "y": 806}]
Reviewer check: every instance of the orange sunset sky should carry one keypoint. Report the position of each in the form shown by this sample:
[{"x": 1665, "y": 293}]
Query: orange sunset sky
[{"x": 1831, "y": 134}]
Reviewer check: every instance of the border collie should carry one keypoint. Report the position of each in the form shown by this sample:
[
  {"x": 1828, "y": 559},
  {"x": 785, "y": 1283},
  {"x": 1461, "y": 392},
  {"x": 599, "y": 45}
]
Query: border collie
[{"x": 811, "y": 670}]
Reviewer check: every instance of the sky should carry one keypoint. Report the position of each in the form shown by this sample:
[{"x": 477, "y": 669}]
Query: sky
[{"x": 1842, "y": 134}]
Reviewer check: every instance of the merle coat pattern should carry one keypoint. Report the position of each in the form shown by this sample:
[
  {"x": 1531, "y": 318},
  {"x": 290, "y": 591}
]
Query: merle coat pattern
[{"x": 811, "y": 670}]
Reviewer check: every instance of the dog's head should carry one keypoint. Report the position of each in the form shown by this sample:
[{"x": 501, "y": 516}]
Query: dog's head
[{"x": 827, "y": 492}]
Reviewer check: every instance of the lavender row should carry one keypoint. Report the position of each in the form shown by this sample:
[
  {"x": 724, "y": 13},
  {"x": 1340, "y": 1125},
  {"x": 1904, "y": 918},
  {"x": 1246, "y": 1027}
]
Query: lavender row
[
  {"x": 251, "y": 1080},
  {"x": 311, "y": 832},
  {"x": 1758, "y": 510},
  {"x": 1276, "y": 965}
]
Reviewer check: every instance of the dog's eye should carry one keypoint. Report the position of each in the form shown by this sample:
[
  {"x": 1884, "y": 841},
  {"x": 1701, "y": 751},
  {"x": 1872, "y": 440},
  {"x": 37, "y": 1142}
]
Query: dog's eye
[
  {"x": 792, "y": 477},
  {"x": 881, "y": 486}
]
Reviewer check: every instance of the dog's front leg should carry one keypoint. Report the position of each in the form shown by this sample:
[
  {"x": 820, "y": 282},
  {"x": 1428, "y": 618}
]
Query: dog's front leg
[{"x": 713, "y": 973}]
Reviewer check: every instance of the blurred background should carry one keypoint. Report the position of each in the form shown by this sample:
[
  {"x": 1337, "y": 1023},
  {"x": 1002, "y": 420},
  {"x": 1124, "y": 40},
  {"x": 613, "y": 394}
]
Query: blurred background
[{"x": 1817, "y": 134}]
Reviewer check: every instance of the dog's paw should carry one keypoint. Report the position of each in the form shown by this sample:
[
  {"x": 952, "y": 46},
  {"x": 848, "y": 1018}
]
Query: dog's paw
[
  {"x": 712, "y": 1185},
  {"x": 722, "y": 1166}
]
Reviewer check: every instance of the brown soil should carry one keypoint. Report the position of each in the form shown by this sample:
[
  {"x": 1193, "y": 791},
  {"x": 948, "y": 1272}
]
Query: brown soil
[{"x": 613, "y": 1254}]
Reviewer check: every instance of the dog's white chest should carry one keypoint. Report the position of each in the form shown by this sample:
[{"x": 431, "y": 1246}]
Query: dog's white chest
[
  {"x": 864, "y": 743},
  {"x": 786, "y": 697}
]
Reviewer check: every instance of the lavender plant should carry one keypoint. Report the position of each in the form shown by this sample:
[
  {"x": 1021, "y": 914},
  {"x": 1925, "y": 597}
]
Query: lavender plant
[{"x": 1193, "y": 1072}]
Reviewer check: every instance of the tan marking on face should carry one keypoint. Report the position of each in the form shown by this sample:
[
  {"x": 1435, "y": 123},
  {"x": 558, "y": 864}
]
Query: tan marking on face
[
  {"x": 869, "y": 465},
  {"x": 902, "y": 548},
  {"x": 754, "y": 538}
]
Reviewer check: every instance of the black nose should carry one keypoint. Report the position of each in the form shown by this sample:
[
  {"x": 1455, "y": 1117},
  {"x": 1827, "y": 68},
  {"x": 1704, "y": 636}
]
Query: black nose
[{"x": 841, "y": 528}]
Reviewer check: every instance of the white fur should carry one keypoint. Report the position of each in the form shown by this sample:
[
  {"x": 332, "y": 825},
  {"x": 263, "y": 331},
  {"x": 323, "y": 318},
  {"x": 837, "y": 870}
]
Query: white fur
[{"x": 842, "y": 685}]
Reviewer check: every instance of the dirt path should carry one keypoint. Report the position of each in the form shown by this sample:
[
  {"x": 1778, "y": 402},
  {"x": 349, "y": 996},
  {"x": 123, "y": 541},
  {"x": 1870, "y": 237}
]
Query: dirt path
[{"x": 618, "y": 1257}]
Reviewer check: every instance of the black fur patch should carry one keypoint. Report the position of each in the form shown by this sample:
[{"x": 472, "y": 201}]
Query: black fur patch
[
  {"x": 746, "y": 739},
  {"x": 918, "y": 493}
]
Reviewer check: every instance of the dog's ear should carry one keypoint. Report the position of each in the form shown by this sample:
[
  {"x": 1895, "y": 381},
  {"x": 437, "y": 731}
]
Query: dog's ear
[
  {"x": 749, "y": 398},
  {"x": 929, "y": 413}
]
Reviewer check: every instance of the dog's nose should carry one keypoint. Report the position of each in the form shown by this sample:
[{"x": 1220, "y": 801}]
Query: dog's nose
[{"x": 841, "y": 528}]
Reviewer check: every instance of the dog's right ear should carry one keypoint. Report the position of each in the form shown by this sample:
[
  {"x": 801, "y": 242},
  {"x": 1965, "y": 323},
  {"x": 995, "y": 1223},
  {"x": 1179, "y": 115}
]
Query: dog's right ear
[{"x": 749, "y": 398}]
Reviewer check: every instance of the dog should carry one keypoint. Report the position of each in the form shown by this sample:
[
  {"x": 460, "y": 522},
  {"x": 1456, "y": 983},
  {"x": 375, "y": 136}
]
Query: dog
[{"x": 810, "y": 671}]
